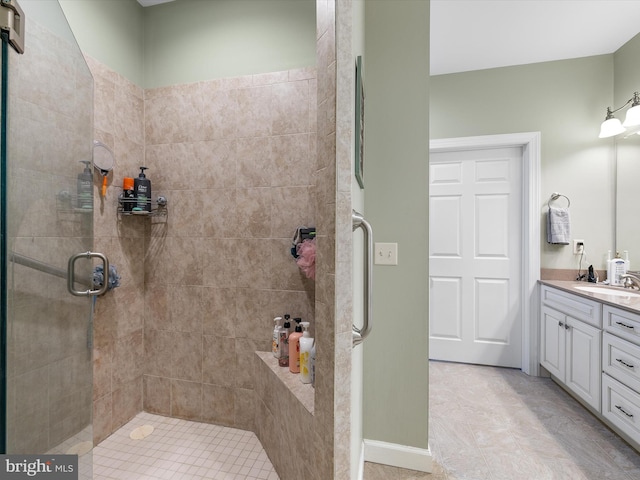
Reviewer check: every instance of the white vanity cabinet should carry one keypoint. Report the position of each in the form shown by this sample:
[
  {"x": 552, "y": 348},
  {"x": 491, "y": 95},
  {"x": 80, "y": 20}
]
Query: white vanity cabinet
[
  {"x": 621, "y": 371},
  {"x": 570, "y": 343}
]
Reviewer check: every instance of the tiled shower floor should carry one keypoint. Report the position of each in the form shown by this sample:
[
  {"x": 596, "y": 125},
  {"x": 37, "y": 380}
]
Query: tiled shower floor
[{"x": 181, "y": 450}]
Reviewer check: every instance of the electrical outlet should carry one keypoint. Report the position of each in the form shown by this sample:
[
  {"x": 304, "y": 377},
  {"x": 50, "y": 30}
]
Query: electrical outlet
[{"x": 578, "y": 246}]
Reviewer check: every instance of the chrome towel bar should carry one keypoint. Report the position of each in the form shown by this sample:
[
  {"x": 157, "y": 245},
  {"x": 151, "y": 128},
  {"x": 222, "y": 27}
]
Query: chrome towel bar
[{"x": 358, "y": 221}]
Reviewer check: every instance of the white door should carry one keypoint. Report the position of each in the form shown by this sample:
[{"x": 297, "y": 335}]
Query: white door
[{"x": 475, "y": 256}]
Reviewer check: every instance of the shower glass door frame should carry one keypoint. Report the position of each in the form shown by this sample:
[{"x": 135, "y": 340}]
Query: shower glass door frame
[{"x": 46, "y": 388}]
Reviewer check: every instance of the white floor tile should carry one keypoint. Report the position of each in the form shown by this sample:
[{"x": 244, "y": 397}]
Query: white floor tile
[{"x": 181, "y": 450}]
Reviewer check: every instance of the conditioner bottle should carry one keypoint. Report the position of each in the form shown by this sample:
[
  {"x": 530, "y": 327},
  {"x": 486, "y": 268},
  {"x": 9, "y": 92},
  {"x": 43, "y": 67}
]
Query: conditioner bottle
[{"x": 306, "y": 343}]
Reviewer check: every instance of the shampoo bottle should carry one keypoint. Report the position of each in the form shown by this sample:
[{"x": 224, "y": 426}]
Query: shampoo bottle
[
  {"x": 142, "y": 190},
  {"x": 283, "y": 343},
  {"x": 85, "y": 187},
  {"x": 306, "y": 343},
  {"x": 275, "y": 342},
  {"x": 294, "y": 347}
]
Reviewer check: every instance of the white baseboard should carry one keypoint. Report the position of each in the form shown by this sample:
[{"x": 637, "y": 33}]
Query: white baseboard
[{"x": 402, "y": 456}]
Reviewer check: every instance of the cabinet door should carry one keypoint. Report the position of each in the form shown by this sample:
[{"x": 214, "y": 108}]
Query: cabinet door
[
  {"x": 552, "y": 341},
  {"x": 583, "y": 368}
]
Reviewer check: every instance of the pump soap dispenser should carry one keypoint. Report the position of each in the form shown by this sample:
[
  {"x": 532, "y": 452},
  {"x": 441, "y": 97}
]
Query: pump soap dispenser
[
  {"x": 85, "y": 187},
  {"x": 142, "y": 190}
]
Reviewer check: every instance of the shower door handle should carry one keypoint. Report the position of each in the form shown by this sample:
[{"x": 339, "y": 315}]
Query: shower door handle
[
  {"x": 358, "y": 221},
  {"x": 71, "y": 275}
]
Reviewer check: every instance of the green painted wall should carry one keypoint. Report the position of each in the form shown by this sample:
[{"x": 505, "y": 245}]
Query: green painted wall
[
  {"x": 111, "y": 31},
  {"x": 565, "y": 101},
  {"x": 396, "y": 202},
  {"x": 627, "y": 81},
  {"x": 193, "y": 40},
  {"x": 626, "y": 72}
]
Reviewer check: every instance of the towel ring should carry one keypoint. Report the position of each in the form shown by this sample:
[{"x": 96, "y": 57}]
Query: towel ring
[{"x": 555, "y": 196}]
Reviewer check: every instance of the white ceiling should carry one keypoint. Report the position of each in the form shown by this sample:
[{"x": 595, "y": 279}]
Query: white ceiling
[{"x": 477, "y": 34}]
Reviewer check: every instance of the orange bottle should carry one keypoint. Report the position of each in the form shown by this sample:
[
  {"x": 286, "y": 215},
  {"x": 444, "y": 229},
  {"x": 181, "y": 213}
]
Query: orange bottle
[{"x": 294, "y": 347}]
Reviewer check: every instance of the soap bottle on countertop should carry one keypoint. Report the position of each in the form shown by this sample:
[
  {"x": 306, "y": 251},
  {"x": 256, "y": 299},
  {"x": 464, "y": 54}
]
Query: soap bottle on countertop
[
  {"x": 283, "y": 343},
  {"x": 616, "y": 270},
  {"x": 85, "y": 187},
  {"x": 306, "y": 343},
  {"x": 142, "y": 189},
  {"x": 275, "y": 342},
  {"x": 294, "y": 347}
]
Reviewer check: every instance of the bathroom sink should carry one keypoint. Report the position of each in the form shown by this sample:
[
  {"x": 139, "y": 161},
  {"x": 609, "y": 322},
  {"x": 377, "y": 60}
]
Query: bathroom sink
[{"x": 608, "y": 291}]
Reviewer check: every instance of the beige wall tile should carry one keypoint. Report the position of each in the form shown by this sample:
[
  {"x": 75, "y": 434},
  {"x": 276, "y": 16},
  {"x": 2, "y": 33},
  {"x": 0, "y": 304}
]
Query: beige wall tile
[
  {"x": 157, "y": 395},
  {"x": 186, "y": 399},
  {"x": 218, "y": 404},
  {"x": 219, "y": 360},
  {"x": 187, "y": 359}
]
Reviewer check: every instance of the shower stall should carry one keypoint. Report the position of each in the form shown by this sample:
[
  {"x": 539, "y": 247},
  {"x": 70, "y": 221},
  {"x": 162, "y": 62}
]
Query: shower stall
[{"x": 46, "y": 332}]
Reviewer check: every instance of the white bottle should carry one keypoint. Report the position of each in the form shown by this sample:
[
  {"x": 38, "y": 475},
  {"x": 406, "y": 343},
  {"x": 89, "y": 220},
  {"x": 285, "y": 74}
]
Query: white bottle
[
  {"x": 275, "y": 343},
  {"x": 305, "y": 354},
  {"x": 616, "y": 270}
]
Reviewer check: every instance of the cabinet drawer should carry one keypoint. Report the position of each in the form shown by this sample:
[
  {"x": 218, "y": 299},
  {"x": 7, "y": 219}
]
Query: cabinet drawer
[
  {"x": 573, "y": 305},
  {"x": 621, "y": 406},
  {"x": 622, "y": 323},
  {"x": 621, "y": 360}
]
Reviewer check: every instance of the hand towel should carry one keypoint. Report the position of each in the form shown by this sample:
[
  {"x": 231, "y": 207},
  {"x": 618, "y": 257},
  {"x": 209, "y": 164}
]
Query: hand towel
[{"x": 558, "y": 226}]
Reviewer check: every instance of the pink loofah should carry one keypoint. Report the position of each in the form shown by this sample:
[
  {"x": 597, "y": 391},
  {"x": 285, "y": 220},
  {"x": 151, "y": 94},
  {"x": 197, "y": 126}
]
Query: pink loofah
[{"x": 307, "y": 258}]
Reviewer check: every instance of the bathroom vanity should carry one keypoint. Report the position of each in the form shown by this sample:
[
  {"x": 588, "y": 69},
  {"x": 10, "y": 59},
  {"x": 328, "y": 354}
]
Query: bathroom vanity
[{"x": 590, "y": 344}]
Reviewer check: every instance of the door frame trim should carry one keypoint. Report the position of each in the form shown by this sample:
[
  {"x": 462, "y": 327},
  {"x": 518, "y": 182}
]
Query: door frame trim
[{"x": 530, "y": 264}]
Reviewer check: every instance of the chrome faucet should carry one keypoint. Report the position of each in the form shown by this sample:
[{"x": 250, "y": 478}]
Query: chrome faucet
[{"x": 630, "y": 280}]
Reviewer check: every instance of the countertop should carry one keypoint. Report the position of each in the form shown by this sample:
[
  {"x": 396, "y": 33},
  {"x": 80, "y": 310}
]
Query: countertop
[{"x": 629, "y": 302}]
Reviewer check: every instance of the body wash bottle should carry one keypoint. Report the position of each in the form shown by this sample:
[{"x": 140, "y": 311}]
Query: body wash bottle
[
  {"x": 294, "y": 347},
  {"x": 306, "y": 342}
]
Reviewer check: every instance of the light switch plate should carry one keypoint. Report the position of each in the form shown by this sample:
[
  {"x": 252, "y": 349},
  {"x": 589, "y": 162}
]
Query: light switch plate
[{"x": 386, "y": 253}]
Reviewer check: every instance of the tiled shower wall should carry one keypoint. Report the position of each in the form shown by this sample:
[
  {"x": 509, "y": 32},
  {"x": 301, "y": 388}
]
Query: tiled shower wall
[
  {"x": 119, "y": 314},
  {"x": 200, "y": 287},
  {"x": 235, "y": 157}
]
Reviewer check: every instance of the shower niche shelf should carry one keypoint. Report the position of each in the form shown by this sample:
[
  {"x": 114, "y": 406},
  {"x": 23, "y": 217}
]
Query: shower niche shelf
[{"x": 158, "y": 207}]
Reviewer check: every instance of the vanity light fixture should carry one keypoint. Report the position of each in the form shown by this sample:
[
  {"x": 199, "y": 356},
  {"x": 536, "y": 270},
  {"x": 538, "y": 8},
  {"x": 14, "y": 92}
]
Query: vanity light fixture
[{"x": 612, "y": 126}]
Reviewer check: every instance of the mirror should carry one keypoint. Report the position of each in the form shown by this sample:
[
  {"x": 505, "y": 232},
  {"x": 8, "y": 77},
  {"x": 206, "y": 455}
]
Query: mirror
[{"x": 628, "y": 198}]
